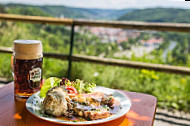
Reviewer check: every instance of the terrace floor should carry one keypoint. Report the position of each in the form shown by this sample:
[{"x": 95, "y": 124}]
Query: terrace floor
[
  {"x": 168, "y": 118},
  {"x": 165, "y": 117}
]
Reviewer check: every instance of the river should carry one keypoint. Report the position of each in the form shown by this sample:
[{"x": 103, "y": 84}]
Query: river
[{"x": 172, "y": 45}]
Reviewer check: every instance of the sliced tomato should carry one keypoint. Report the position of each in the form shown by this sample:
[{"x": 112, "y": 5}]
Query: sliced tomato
[{"x": 71, "y": 91}]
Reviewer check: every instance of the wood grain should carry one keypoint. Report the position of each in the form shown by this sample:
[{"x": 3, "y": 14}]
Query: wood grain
[{"x": 14, "y": 113}]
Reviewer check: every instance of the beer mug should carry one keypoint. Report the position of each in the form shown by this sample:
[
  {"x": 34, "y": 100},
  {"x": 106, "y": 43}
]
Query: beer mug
[{"x": 27, "y": 67}]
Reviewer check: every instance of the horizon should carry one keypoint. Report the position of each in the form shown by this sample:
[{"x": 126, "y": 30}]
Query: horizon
[
  {"x": 91, "y": 8},
  {"x": 110, "y": 4}
]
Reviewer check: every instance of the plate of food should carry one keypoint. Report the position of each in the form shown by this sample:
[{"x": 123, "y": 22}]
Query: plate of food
[{"x": 77, "y": 102}]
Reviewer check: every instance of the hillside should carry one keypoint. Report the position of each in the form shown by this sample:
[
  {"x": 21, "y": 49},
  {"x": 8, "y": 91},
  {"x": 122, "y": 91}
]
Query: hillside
[
  {"x": 148, "y": 15},
  {"x": 71, "y": 12},
  {"x": 158, "y": 15}
]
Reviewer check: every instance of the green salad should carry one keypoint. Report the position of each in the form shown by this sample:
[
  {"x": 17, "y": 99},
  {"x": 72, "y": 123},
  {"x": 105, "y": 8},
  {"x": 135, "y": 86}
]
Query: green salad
[{"x": 79, "y": 85}]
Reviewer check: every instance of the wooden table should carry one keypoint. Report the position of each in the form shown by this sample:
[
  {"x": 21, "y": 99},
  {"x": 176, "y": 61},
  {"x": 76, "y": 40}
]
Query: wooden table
[{"x": 14, "y": 112}]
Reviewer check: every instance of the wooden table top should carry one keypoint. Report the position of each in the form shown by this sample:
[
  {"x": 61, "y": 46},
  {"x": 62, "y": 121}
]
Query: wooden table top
[{"x": 13, "y": 113}]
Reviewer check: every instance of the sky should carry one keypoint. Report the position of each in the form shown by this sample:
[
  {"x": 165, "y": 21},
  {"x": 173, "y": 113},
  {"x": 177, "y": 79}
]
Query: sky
[{"x": 107, "y": 4}]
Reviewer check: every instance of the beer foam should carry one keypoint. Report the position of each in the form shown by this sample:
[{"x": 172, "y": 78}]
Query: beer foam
[{"x": 27, "y": 49}]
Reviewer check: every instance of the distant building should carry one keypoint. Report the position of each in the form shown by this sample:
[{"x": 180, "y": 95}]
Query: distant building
[
  {"x": 113, "y": 35},
  {"x": 152, "y": 42}
]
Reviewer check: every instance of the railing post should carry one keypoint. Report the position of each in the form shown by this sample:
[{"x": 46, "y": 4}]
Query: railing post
[{"x": 71, "y": 50}]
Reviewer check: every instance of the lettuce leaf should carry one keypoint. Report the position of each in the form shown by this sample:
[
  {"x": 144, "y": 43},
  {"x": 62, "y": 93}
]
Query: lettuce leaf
[
  {"x": 89, "y": 87},
  {"x": 49, "y": 83},
  {"x": 81, "y": 87}
]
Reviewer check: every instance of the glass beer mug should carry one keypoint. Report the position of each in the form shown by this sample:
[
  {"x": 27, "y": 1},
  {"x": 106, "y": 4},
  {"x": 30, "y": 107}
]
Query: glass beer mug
[{"x": 27, "y": 67}]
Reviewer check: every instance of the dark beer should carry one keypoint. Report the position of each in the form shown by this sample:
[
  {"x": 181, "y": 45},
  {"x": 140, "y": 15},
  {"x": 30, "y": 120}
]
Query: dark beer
[
  {"x": 28, "y": 59},
  {"x": 27, "y": 76}
]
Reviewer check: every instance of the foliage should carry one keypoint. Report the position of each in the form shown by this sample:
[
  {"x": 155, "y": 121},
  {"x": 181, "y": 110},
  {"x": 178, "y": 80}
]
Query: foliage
[
  {"x": 2, "y": 9},
  {"x": 158, "y": 15},
  {"x": 33, "y": 11},
  {"x": 71, "y": 12}
]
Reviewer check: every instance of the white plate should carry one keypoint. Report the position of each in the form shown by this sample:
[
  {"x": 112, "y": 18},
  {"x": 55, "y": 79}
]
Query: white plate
[{"x": 34, "y": 103}]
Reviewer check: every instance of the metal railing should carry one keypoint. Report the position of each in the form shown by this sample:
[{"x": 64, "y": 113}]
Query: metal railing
[{"x": 176, "y": 27}]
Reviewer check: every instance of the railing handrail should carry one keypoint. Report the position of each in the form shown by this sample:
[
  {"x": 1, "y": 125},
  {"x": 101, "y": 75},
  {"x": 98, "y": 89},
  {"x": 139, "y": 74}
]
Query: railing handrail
[
  {"x": 176, "y": 27},
  {"x": 113, "y": 62}
]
